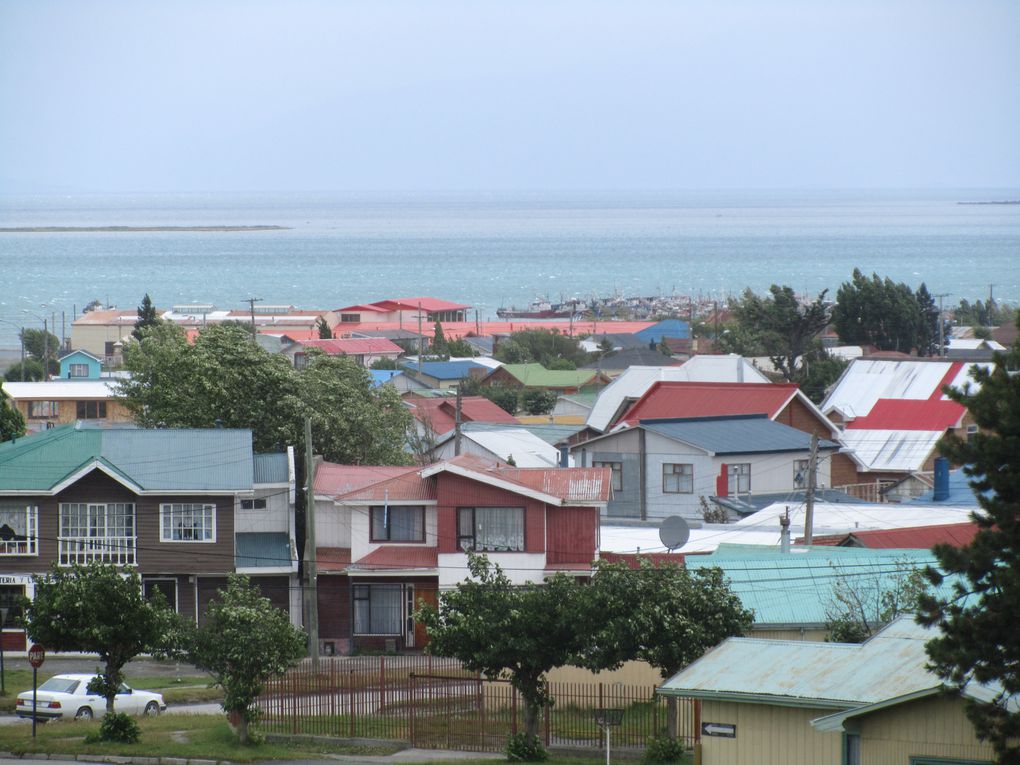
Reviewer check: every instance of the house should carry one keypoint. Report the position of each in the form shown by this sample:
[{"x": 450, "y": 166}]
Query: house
[
  {"x": 616, "y": 362},
  {"x": 388, "y": 537},
  {"x": 503, "y": 443},
  {"x": 972, "y": 348},
  {"x": 80, "y": 393},
  {"x": 894, "y": 414},
  {"x": 664, "y": 467},
  {"x": 443, "y": 374},
  {"x": 439, "y": 415},
  {"x": 364, "y": 351},
  {"x": 918, "y": 537},
  {"x": 183, "y": 507},
  {"x": 807, "y": 703},
  {"x": 404, "y": 311},
  {"x": 563, "y": 381}
]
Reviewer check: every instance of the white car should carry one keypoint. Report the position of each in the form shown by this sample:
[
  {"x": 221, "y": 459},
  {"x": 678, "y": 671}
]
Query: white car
[{"x": 67, "y": 696}]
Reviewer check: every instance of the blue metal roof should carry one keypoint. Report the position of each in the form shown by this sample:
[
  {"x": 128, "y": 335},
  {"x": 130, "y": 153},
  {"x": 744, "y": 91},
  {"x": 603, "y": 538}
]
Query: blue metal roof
[
  {"x": 961, "y": 493},
  {"x": 444, "y": 370},
  {"x": 263, "y": 549},
  {"x": 740, "y": 434},
  {"x": 383, "y": 376},
  {"x": 272, "y": 468},
  {"x": 665, "y": 328}
]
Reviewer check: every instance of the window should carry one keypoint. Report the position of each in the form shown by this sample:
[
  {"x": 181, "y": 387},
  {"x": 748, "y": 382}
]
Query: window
[
  {"x": 43, "y": 408},
  {"x": 677, "y": 478},
  {"x": 109, "y": 348},
  {"x": 378, "y": 609},
  {"x": 800, "y": 473},
  {"x": 253, "y": 504},
  {"x": 103, "y": 532},
  {"x": 168, "y": 588},
  {"x": 617, "y": 468},
  {"x": 491, "y": 529},
  {"x": 739, "y": 478},
  {"x": 972, "y": 430},
  {"x": 187, "y": 523},
  {"x": 77, "y": 370},
  {"x": 91, "y": 410},
  {"x": 19, "y": 529},
  {"x": 398, "y": 524},
  {"x": 11, "y": 599},
  {"x": 350, "y": 318}
]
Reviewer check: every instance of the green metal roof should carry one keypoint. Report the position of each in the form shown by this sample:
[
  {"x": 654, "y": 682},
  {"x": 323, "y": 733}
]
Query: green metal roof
[
  {"x": 264, "y": 549},
  {"x": 537, "y": 376},
  {"x": 153, "y": 460}
]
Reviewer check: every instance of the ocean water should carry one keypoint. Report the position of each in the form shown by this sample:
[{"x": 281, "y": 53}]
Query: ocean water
[{"x": 495, "y": 249}]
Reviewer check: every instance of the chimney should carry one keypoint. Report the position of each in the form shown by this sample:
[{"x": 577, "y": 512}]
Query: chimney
[
  {"x": 941, "y": 493},
  {"x": 784, "y": 533},
  {"x": 722, "y": 482}
]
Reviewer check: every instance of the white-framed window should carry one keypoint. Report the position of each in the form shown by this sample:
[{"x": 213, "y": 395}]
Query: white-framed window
[
  {"x": 19, "y": 529},
  {"x": 259, "y": 503},
  {"x": 490, "y": 529},
  {"x": 739, "y": 478},
  {"x": 800, "y": 473},
  {"x": 677, "y": 478},
  {"x": 96, "y": 532},
  {"x": 972, "y": 430},
  {"x": 41, "y": 409},
  {"x": 398, "y": 524},
  {"x": 617, "y": 468},
  {"x": 78, "y": 370},
  {"x": 187, "y": 522},
  {"x": 90, "y": 410},
  {"x": 378, "y": 609}
]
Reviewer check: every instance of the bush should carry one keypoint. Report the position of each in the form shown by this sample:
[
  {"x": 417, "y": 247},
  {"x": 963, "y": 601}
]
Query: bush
[
  {"x": 116, "y": 726},
  {"x": 521, "y": 747},
  {"x": 662, "y": 749}
]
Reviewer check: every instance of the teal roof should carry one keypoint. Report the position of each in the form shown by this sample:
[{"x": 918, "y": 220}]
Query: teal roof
[
  {"x": 153, "y": 460},
  {"x": 796, "y": 588},
  {"x": 272, "y": 468},
  {"x": 264, "y": 549}
]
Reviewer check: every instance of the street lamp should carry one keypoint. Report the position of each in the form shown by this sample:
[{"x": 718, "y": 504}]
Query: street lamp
[{"x": 21, "y": 337}]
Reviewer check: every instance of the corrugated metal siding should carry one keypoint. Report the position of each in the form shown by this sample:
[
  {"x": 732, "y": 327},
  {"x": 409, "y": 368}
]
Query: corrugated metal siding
[
  {"x": 271, "y": 468},
  {"x": 263, "y": 549},
  {"x": 769, "y": 735},
  {"x": 571, "y": 534},
  {"x": 933, "y": 727},
  {"x": 334, "y": 607},
  {"x": 455, "y": 491}
]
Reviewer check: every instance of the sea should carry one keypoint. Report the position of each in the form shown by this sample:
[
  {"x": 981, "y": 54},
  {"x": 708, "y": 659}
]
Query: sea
[{"x": 493, "y": 249}]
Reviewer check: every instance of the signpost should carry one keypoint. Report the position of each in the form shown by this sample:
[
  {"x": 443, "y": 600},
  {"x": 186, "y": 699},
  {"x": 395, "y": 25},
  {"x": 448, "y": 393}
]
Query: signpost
[
  {"x": 605, "y": 719},
  {"x": 36, "y": 657}
]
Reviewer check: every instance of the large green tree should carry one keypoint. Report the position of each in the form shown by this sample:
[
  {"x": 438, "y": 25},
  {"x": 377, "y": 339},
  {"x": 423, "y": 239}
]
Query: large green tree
[
  {"x": 928, "y": 318},
  {"x": 244, "y": 641},
  {"x": 877, "y": 312},
  {"x": 779, "y": 326},
  {"x": 979, "y": 637},
  {"x": 29, "y": 370},
  {"x": 549, "y": 348},
  {"x": 99, "y": 608},
  {"x": 665, "y": 614},
  {"x": 147, "y": 317},
  {"x": 503, "y": 630},
  {"x": 12, "y": 424},
  {"x": 43, "y": 346}
]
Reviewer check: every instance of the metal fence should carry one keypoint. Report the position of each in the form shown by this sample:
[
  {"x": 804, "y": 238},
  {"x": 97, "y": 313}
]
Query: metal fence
[{"x": 434, "y": 703}]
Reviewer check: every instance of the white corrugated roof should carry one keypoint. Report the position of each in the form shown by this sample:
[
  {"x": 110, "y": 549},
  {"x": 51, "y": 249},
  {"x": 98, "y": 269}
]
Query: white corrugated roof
[
  {"x": 894, "y": 450},
  {"x": 55, "y": 390},
  {"x": 527, "y": 449},
  {"x": 636, "y": 380},
  {"x": 973, "y": 344},
  {"x": 963, "y": 377}
]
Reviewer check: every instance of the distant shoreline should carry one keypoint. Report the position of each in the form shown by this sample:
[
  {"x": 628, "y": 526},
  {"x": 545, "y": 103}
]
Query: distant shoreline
[
  {"x": 132, "y": 229},
  {"x": 1002, "y": 202}
]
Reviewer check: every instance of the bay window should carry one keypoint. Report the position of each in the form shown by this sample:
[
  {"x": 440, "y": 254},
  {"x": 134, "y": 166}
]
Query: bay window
[{"x": 96, "y": 532}]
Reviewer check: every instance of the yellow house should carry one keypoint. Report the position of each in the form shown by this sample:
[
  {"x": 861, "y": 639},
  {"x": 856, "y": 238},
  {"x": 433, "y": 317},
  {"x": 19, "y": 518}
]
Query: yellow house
[{"x": 782, "y": 702}]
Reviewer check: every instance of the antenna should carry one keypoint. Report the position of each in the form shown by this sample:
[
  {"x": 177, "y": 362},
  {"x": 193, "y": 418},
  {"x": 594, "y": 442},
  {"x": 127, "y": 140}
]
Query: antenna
[{"x": 674, "y": 532}]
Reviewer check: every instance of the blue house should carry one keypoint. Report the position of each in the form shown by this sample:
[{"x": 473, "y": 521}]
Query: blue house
[{"x": 80, "y": 365}]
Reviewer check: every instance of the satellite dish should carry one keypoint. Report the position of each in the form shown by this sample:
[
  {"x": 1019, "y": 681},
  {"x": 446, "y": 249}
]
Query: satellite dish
[{"x": 674, "y": 532}]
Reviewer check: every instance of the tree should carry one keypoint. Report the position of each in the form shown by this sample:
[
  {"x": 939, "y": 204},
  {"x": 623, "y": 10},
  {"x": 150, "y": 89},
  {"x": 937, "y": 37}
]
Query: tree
[
  {"x": 928, "y": 319},
  {"x": 244, "y": 642},
  {"x": 30, "y": 369},
  {"x": 861, "y": 603},
  {"x": 384, "y": 362},
  {"x": 98, "y": 608},
  {"x": 325, "y": 333},
  {"x": 818, "y": 371},
  {"x": 665, "y": 615},
  {"x": 538, "y": 400},
  {"x": 545, "y": 346},
  {"x": 460, "y": 348},
  {"x": 877, "y": 312},
  {"x": 43, "y": 346},
  {"x": 502, "y": 396},
  {"x": 503, "y": 630},
  {"x": 12, "y": 424},
  {"x": 780, "y": 326},
  {"x": 439, "y": 347},
  {"x": 147, "y": 317},
  {"x": 979, "y": 640}
]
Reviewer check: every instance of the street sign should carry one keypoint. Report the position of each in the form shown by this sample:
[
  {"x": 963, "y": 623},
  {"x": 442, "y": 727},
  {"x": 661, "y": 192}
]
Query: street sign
[
  {"x": 724, "y": 730},
  {"x": 36, "y": 656}
]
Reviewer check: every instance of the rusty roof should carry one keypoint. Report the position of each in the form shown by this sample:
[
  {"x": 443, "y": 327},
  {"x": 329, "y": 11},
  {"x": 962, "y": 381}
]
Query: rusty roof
[
  {"x": 333, "y": 480},
  {"x": 399, "y": 556}
]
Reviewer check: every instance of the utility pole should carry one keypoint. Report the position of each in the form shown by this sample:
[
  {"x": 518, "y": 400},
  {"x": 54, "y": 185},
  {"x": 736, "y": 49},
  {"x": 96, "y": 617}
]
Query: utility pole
[
  {"x": 942, "y": 339},
  {"x": 421, "y": 341},
  {"x": 251, "y": 304},
  {"x": 809, "y": 499},
  {"x": 46, "y": 351},
  {"x": 456, "y": 426},
  {"x": 311, "y": 572}
]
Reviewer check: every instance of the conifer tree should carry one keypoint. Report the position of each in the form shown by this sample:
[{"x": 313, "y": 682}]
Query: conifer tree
[{"x": 147, "y": 317}]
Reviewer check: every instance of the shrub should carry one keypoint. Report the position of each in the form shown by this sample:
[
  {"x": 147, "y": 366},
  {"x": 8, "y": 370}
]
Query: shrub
[
  {"x": 521, "y": 747},
  {"x": 116, "y": 726},
  {"x": 663, "y": 749}
]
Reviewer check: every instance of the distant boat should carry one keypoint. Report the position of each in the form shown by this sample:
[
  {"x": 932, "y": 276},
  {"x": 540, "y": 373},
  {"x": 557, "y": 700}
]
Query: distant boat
[{"x": 539, "y": 309}]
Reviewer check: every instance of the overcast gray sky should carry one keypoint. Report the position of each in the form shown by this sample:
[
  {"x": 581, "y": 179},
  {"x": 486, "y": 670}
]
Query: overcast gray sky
[{"x": 550, "y": 94}]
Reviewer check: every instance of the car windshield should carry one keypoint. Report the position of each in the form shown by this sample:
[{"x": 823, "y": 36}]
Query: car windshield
[{"x": 59, "y": 685}]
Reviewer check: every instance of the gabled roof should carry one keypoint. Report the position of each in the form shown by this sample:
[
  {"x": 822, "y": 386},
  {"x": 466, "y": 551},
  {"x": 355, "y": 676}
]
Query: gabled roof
[
  {"x": 738, "y": 434},
  {"x": 79, "y": 352},
  {"x": 629, "y": 357},
  {"x": 61, "y": 390},
  {"x": 534, "y": 375},
  {"x": 917, "y": 537},
  {"x": 332, "y": 479},
  {"x": 441, "y": 414},
  {"x": 146, "y": 461},
  {"x": 710, "y": 399},
  {"x": 354, "y": 346},
  {"x": 899, "y": 451},
  {"x": 505, "y": 443},
  {"x": 429, "y": 304},
  {"x": 444, "y": 370}
]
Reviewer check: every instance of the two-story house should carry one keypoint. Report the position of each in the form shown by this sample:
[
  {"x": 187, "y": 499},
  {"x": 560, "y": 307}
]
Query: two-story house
[
  {"x": 184, "y": 508},
  {"x": 389, "y": 537}
]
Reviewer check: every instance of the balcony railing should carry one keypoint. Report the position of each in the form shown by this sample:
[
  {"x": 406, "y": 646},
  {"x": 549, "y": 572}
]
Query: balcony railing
[{"x": 119, "y": 551}]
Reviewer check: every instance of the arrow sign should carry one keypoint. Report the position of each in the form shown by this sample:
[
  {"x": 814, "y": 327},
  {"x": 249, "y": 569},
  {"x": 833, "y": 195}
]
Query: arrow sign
[{"x": 724, "y": 730}]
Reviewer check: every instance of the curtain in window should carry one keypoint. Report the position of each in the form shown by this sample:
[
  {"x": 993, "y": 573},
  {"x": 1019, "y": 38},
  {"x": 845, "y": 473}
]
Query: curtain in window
[
  {"x": 378, "y": 609},
  {"x": 499, "y": 529}
]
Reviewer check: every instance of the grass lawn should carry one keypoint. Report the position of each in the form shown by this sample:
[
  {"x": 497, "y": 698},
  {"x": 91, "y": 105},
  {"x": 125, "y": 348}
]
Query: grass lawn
[{"x": 176, "y": 690}]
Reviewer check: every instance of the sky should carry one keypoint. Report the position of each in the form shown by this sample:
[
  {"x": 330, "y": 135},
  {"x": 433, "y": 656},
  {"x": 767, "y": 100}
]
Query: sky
[{"x": 250, "y": 95}]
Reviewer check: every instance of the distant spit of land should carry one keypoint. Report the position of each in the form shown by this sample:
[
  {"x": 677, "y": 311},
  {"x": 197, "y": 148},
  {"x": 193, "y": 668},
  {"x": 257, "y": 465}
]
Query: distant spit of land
[
  {"x": 131, "y": 229},
  {"x": 1002, "y": 202}
]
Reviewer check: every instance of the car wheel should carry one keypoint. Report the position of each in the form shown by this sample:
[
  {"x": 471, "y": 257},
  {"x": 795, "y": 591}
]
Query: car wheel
[
  {"x": 85, "y": 713},
  {"x": 152, "y": 709}
]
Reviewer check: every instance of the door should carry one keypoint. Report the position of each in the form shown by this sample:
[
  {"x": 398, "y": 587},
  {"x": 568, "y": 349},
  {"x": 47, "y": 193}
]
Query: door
[{"x": 425, "y": 593}]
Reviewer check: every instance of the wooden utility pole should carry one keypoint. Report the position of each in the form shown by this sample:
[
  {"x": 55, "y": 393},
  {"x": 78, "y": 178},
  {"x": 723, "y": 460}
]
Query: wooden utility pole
[
  {"x": 251, "y": 304},
  {"x": 942, "y": 339},
  {"x": 809, "y": 499},
  {"x": 311, "y": 573},
  {"x": 456, "y": 426}
]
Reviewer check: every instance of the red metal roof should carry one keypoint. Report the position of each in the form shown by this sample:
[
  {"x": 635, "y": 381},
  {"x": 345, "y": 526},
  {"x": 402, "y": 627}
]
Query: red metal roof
[
  {"x": 947, "y": 379},
  {"x": 354, "y": 346},
  {"x": 701, "y": 399},
  {"x": 334, "y": 480},
  {"x": 332, "y": 558},
  {"x": 910, "y": 414},
  {"x": 408, "y": 487},
  {"x": 400, "y": 556},
  {"x": 570, "y": 484},
  {"x": 425, "y": 303},
  {"x": 360, "y": 308},
  {"x": 915, "y": 538},
  {"x": 441, "y": 414}
]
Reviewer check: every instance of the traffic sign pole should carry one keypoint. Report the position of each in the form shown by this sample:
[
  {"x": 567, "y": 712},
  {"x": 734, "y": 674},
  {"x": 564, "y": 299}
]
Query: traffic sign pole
[
  {"x": 35, "y": 700},
  {"x": 36, "y": 657}
]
